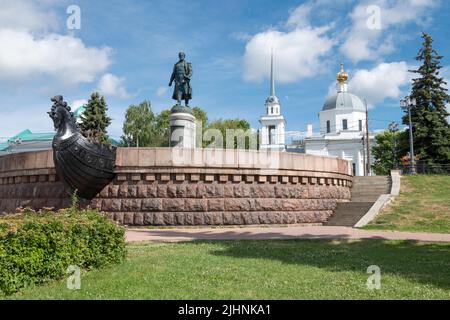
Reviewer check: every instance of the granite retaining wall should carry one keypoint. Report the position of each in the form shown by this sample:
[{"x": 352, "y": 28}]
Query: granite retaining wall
[{"x": 164, "y": 186}]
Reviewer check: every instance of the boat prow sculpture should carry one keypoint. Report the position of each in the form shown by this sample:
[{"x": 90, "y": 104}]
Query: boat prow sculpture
[{"x": 82, "y": 165}]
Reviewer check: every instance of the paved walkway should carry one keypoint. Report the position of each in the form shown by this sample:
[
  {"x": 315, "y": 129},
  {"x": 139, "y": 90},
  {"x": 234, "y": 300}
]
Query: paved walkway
[{"x": 290, "y": 232}]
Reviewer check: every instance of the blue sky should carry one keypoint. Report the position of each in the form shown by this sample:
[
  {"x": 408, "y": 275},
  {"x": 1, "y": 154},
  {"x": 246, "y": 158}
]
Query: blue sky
[{"x": 126, "y": 50}]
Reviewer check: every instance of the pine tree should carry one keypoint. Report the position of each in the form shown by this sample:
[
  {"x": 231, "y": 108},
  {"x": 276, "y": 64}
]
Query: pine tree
[
  {"x": 94, "y": 120},
  {"x": 431, "y": 130}
]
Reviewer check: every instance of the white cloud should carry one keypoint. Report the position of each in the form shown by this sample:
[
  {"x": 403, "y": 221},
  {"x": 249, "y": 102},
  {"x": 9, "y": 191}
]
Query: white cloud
[
  {"x": 161, "y": 91},
  {"x": 364, "y": 43},
  {"x": 35, "y": 118},
  {"x": 25, "y": 15},
  {"x": 299, "y": 17},
  {"x": 297, "y": 53},
  {"x": 386, "y": 80},
  {"x": 78, "y": 103},
  {"x": 24, "y": 56},
  {"x": 111, "y": 85},
  {"x": 32, "y": 49}
]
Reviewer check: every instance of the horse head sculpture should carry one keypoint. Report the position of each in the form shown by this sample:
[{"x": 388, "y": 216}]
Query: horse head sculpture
[
  {"x": 83, "y": 166},
  {"x": 63, "y": 119}
]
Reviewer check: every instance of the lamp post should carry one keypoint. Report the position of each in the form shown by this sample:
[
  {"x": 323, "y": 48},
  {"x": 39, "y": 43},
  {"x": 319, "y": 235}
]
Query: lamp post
[
  {"x": 407, "y": 103},
  {"x": 364, "y": 155},
  {"x": 393, "y": 128}
]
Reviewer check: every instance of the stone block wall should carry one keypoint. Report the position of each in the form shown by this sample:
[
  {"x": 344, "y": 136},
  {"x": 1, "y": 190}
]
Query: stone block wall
[
  {"x": 30, "y": 180},
  {"x": 192, "y": 201},
  {"x": 161, "y": 186}
]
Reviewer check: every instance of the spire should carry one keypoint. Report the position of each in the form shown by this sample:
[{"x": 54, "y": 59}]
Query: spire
[
  {"x": 342, "y": 78},
  {"x": 272, "y": 103},
  {"x": 272, "y": 78}
]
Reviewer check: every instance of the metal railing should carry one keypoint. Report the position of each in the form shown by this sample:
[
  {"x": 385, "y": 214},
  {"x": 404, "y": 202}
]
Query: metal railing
[{"x": 424, "y": 168}]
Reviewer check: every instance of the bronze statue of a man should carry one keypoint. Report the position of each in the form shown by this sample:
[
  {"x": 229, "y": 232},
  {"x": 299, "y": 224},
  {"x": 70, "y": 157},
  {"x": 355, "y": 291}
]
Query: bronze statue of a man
[{"x": 182, "y": 74}]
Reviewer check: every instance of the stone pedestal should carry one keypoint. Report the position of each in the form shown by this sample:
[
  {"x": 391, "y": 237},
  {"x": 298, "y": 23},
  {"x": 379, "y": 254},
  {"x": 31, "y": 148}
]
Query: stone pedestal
[{"x": 182, "y": 127}]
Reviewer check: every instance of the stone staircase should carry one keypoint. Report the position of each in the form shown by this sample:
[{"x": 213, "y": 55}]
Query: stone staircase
[{"x": 365, "y": 192}]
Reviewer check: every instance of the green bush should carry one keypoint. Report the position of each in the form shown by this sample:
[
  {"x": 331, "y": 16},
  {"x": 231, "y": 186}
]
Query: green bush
[{"x": 36, "y": 247}]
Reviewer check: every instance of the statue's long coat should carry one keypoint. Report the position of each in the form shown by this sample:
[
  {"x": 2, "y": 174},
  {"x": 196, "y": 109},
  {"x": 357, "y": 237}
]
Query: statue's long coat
[{"x": 185, "y": 88}]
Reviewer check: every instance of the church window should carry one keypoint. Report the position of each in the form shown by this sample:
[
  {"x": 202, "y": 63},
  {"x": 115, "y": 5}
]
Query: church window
[
  {"x": 344, "y": 124},
  {"x": 271, "y": 134},
  {"x": 360, "y": 125},
  {"x": 271, "y": 110},
  {"x": 328, "y": 126}
]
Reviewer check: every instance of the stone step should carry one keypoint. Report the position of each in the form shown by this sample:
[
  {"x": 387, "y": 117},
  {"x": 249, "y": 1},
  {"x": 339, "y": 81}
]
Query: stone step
[
  {"x": 371, "y": 192},
  {"x": 348, "y": 213},
  {"x": 364, "y": 193},
  {"x": 346, "y": 205},
  {"x": 371, "y": 182},
  {"x": 376, "y": 186},
  {"x": 374, "y": 189},
  {"x": 375, "y": 193},
  {"x": 365, "y": 199},
  {"x": 384, "y": 188},
  {"x": 361, "y": 194},
  {"x": 370, "y": 188},
  {"x": 358, "y": 182},
  {"x": 371, "y": 177}
]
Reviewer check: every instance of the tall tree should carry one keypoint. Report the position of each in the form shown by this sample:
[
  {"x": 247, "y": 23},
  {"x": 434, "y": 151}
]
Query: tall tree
[
  {"x": 95, "y": 120},
  {"x": 201, "y": 118},
  {"x": 431, "y": 130},
  {"x": 138, "y": 126},
  {"x": 237, "y": 131},
  {"x": 200, "y": 115},
  {"x": 162, "y": 129},
  {"x": 144, "y": 128},
  {"x": 387, "y": 152}
]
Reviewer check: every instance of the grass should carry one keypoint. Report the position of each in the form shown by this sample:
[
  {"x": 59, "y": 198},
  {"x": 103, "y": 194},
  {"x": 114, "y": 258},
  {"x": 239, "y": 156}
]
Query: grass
[
  {"x": 423, "y": 206},
  {"x": 265, "y": 269}
]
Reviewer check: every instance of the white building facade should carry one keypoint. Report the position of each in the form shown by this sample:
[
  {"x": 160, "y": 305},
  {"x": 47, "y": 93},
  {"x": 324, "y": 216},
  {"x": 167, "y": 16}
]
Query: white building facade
[
  {"x": 342, "y": 128},
  {"x": 273, "y": 124}
]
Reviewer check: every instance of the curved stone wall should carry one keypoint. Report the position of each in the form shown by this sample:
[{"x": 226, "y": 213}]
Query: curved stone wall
[
  {"x": 30, "y": 180},
  {"x": 164, "y": 186}
]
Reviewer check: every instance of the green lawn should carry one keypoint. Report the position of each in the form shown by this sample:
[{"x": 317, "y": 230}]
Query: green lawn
[
  {"x": 423, "y": 205},
  {"x": 272, "y": 269}
]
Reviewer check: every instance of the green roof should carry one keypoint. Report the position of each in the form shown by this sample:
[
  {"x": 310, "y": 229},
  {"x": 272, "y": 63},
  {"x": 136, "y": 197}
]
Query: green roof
[
  {"x": 27, "y": 136},
  {"x": 3, "y": 146},
  {"x": 80, "y": 110}
]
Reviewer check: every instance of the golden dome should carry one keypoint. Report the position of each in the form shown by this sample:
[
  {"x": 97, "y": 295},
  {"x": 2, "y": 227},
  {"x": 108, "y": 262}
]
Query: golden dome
[{"x": 342, "y": 76}]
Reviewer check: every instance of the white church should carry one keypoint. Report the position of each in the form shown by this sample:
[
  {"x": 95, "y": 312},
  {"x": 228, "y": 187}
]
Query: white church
[{"x": 342, "y": 130}]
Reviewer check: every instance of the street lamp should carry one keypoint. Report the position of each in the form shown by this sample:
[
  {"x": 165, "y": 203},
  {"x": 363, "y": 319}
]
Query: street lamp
[
  {"x": 393, "y": 128},
  {"x": 407, "y": 103}
]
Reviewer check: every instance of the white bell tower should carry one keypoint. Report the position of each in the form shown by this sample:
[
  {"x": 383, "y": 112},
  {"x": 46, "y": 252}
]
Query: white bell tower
[{"x": 272, "y": 123}]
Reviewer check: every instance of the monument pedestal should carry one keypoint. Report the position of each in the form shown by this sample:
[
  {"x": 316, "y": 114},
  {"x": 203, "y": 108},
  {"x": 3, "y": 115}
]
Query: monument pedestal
[{"x": 182, "y": 127}]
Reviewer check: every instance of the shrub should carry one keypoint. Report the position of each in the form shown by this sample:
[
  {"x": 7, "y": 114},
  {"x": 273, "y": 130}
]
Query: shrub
[{"x": 36, "y": 247}]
